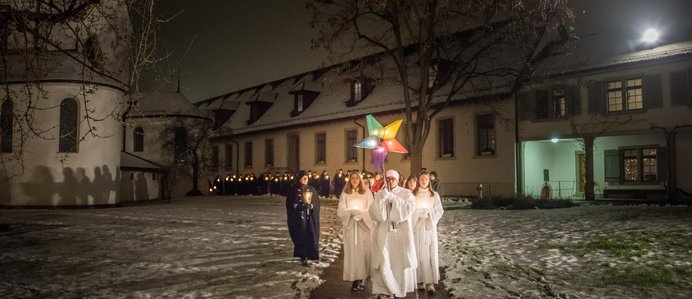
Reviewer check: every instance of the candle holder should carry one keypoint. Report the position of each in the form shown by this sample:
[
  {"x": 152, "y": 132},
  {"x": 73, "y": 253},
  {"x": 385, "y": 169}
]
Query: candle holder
[{"x": 307, "y": 197}]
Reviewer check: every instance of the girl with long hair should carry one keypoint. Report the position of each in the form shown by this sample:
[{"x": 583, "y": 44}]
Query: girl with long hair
[{"x": 357, "y": 230}]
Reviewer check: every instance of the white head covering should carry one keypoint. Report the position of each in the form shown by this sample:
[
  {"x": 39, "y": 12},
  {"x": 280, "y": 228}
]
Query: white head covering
[{"x": 392, "y": 173}]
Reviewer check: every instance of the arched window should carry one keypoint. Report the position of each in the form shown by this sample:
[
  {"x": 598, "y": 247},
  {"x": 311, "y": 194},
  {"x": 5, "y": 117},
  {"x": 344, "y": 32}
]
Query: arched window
[
  {"x": 68, "y": 126},
  {"x": 180, "y": 145},
  {"x": 92, "y": 51},
  {"x": 138, "y": 140},
  {"x": 6, "y": 117}
]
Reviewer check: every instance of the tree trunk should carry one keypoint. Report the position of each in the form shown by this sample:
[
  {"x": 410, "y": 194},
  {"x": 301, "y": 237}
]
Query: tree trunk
[
  {"x": 416, "y": 157},
  {"x": 195, "y": 176}
]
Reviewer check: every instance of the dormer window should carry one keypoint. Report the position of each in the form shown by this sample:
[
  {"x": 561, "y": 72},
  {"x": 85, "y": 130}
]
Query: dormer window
[
  {"x": 259, "y": 104},
  {"x": 302, "y": 100},
  {"x": 360, "y": 89}
]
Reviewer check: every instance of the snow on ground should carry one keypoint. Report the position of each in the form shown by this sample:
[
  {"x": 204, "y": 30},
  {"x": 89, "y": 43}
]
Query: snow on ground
[
  {"x": 208, "y": 247},
  {"x": 591, "y": 251},
  {"x": 223, "y": 247}
]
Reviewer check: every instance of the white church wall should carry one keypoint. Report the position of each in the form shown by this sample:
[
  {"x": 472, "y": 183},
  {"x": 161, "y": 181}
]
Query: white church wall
[{"x": 43, "y": 176}]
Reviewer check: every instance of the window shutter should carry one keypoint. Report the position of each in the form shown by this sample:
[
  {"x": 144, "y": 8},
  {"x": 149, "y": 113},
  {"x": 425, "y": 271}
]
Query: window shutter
[
  {"x": 652, "y": 91},
  {"x": 543, "y": 106},
  {"x": 573, "y": 101},
  {"x": 680, "y": 88},
  {"x": 526, "y": 103},
  {"x": 662, "y": 163},
  {"x": 596, "y": 93},
  {"x": 611, "y": 165}
]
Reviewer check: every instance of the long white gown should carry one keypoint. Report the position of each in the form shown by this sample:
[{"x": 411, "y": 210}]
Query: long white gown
[
  {"x": 394, "y": 256},
  {"x": 357, "y": 233},
  {"x": 425, "y": 218}
]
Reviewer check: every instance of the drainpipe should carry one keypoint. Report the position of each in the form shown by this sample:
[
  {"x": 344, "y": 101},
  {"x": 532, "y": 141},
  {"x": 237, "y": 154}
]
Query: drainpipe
[
  {"x": 364, "y": 132},
  {"x": 237, "y": 155},
  {"x": 519, "y": 186}
]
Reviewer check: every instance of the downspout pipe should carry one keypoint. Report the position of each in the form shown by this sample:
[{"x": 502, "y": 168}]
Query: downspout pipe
[
  {"x": 363, "y": 150},
  {"x": 519, "y": 186},
  {"x": 237, "y": 155}
]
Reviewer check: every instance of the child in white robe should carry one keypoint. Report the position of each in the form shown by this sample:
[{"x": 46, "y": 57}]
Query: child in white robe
[
  {"x": 425, "y": 218},
  {"x": 357, "y": 230}
]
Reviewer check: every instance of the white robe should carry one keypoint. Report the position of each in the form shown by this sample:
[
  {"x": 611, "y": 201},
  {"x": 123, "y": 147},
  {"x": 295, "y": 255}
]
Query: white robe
[
  {"x": 357, "y": 234},
  {"x": 394, "y": 256},
  {"x": 425, "y": 218}
]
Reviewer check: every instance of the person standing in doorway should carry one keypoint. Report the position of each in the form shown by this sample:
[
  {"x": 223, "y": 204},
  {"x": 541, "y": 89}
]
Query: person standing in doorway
[
  {"x": 357, "y": 230},
  {"x": 425, "y": 218},
  {"x": 303, "y": 218},
  {"x": 394, "y": 255}
]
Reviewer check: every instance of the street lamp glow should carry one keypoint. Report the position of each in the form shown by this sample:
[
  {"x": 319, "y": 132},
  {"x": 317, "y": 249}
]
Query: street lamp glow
[{"x": 650, "y": 36}]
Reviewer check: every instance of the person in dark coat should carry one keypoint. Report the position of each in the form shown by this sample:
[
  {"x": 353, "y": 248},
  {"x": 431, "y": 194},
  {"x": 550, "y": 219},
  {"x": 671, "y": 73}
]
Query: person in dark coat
[
  {"x": 303, "y": 218},
  {"x": 435, "y": 183},
  {"x": 324, "y": 184}
]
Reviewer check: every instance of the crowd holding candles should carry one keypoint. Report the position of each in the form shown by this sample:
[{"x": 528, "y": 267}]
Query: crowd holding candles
[{"x": 277, "y": 184}]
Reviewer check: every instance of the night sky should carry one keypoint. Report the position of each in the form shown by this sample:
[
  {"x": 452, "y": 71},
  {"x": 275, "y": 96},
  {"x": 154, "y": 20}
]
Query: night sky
[{"x": 227, "y": 45}]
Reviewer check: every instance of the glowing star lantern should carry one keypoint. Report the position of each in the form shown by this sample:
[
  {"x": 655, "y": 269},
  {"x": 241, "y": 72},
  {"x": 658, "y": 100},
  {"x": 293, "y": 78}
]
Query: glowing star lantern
[{"x": 381, "y": 139}]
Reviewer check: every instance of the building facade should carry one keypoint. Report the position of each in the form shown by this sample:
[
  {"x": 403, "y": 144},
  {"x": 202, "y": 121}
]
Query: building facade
[{"x": 600, "y": 122}]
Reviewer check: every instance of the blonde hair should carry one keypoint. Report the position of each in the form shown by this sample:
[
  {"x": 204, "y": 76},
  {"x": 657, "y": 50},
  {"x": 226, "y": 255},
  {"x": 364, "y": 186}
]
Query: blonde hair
[
  {"x": 415, "y": 191},
  {"x": 360, "y": 189}
]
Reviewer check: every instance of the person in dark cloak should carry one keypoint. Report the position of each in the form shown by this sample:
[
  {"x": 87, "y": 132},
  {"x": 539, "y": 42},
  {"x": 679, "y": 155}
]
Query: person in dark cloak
[
  {"x": 303, "y": 218},
  {"x": 435, "y": 183},
  {"x": 324, "y": 184}
]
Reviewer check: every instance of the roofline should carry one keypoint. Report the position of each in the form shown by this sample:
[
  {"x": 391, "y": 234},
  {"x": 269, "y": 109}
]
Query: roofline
[
  {"x": 114, "y": 86},
  {"x": 355, "y": 117},
  {"x": 611, "y": 66},
  {"x": 168, "y": 115}
]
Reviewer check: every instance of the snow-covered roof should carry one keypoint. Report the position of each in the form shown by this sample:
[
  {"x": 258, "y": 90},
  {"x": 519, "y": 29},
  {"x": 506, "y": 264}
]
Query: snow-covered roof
[
  {"x": 130, "y": 161},
  {"x": 159, "y": 104},
  {"x": 334, "y": 93}
]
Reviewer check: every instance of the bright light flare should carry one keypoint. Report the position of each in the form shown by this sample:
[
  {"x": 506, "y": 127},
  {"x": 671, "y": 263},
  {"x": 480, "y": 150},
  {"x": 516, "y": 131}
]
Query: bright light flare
[{"x": 650, "y": 36}]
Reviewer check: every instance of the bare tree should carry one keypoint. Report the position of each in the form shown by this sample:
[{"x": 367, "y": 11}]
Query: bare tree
[
  {"x": 444, "y": 50},
  {"x": 185, "y": 148},
  {"x": 88, "y": 42}
]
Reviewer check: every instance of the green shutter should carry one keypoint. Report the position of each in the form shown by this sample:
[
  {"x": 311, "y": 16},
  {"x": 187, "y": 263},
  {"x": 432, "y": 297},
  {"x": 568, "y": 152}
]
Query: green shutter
[
  {"x": 526, "y": 103},
  {"x": 652, "y": 91},
  {"x": 679, "y": 89},
  {"x": 596, "y": 94},
  {"x": 611, "y": 165},
  {"x": 573, "y": 101},
  {"x": 662, "y": 163}
]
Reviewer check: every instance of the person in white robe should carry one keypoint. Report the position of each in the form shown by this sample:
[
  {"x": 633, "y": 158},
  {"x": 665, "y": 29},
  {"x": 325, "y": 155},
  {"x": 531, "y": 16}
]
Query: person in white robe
[
  {"x": 425, "y": 218},
  {"x": 357, "y": 230},
  {"x": 394, "y": 256}
]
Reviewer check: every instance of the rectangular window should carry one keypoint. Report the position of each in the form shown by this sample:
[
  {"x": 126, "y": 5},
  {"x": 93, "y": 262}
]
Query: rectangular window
[
  {"x": 625, "y": 95},
  {"x": 214, "y": 158},
  {"x": 269, "y": 152},
  {"x": 640, "y": 165},
  {"x": 351, "y": 151},
  {"x": 631, "y": 165},
  {"x": 320, "y": 148},
  {"x": 299, "y": 102},
  {"x": 635, "y": 100},
  {"x": 229, "y": 157},
  {"x": 248, "y": 154},
  {"x": 559, "y": 103},
  {"x": 649, "y": 165},
  {"x": 446, "y": 138},
  {"x": 485, "y": 145},
  {"x": 357, "y": 91},
  {"x": 432, "y": 75}
]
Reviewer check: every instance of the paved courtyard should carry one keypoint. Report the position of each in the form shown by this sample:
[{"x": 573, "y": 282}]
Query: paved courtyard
[{"x": 223, "y": 247}]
